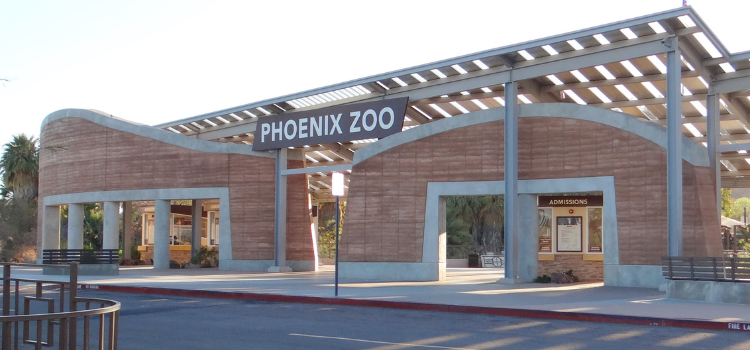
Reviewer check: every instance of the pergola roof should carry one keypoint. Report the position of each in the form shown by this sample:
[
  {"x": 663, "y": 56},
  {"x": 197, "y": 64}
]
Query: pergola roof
[{"x": 618, "y": 66}]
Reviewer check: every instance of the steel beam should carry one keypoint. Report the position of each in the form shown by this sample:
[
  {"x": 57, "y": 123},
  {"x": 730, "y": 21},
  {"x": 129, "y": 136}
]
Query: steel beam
[
  {"x": 316, "y": 169},
  {"x": 674, "y": 148},
  {"x": 511, "y": 182},
  {"x": 280, "y": 215},
  {"x": 712, "y": 134}
]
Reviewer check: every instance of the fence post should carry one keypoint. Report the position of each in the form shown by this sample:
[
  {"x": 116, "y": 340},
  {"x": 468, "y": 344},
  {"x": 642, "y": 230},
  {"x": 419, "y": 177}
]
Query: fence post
[
  {"x": 73, "y": 306},
  {"x": 6, "y": 306},
  {"x": 734, "y": 267},
  {"x": 692, "y": 269}
]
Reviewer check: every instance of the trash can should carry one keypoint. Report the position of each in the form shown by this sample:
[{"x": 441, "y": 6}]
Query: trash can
[{"x": 473, "y": 260}]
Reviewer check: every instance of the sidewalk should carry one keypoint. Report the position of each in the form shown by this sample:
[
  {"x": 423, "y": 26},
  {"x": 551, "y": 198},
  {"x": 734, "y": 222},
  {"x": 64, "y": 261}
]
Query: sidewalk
[{"x": 466, "y": 290}]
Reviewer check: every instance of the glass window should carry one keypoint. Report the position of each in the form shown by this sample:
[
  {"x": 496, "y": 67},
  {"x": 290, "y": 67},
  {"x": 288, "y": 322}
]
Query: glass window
[
  {"x": 213, "y": 228},
  {"x": 182, "y": 230},
  {"x": 148, "y": 229},
  {"x": 595, "y": 230},
  {"x": 545, "y": 230}
]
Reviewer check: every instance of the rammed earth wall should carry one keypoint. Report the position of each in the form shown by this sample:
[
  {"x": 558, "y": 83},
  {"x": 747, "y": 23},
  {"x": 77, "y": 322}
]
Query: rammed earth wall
[
  {"x": 79, "y": 155},
  {"x": 385, "y": 217}
]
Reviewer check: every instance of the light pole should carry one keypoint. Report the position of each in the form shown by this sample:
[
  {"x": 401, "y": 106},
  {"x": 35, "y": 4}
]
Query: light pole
[{"x": 337, "y": 190}]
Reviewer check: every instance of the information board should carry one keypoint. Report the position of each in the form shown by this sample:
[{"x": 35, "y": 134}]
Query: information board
[{"x": 569, "y": 233}]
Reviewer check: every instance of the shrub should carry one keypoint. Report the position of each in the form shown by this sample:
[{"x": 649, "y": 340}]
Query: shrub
[
  {"x": 206, "y": 257},
  {"x": 570, "y": 273},
  {"x": 543, "y": 279}
]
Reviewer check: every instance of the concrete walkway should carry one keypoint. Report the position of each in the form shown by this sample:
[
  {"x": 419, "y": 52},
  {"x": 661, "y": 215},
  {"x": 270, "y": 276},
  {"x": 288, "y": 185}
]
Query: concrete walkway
[{"x": 465, "y": 287}]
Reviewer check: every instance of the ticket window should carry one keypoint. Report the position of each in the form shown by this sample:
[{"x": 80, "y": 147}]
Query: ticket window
[{"x": 566, "y": 229}]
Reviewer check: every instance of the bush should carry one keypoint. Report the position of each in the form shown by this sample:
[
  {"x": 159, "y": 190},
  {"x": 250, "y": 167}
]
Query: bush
[
  {"x": 206, "y": 257},
  {"x": 570, "y": 273},
  {"x": 543, "y": 279},
  {"x": 173, "y": 264}
]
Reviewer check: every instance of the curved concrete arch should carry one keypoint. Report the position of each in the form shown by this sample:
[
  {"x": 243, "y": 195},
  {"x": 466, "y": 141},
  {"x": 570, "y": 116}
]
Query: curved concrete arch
[
  {"x": 693, "y": 153},
  {"x": 157, "y": 134}
]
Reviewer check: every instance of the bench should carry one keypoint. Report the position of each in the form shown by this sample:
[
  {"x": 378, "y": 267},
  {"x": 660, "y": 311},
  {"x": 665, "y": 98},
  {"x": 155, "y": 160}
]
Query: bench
[
  {"x": 706, "y": 269},
  {"x": 81, "y": 256}
]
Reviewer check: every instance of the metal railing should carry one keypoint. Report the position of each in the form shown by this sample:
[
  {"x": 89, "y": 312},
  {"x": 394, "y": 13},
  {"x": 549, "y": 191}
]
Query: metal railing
[
  {"x": 58, "y": 324},
  {"x": 463, "y": 251},
  {"x": 724, "y": 269},
  {"x": 83, "y": 256}
]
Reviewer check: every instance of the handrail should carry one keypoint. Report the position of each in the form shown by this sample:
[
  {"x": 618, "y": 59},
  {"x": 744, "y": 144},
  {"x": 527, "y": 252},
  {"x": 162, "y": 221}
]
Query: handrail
[
  {"x": 66, "y": 314},
  {"x": 61, "y": 326}
]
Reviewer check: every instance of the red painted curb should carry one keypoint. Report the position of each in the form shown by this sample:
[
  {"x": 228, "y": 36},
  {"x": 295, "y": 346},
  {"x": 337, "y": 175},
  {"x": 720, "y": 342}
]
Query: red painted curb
[{"x": 555, "y": 315}]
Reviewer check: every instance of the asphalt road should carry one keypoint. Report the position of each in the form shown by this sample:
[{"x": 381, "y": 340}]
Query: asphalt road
[{"x": 163, "y": 322}]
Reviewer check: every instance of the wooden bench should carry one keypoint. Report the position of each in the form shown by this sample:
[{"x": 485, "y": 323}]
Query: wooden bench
[{"x": 706, "y": 269}]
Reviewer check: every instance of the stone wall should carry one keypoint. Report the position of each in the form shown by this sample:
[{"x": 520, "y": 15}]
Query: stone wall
[
  {"x": 79, "y": 155},
  {"x": 387, "y": 193},
  {"x": 585, "y": 270}
]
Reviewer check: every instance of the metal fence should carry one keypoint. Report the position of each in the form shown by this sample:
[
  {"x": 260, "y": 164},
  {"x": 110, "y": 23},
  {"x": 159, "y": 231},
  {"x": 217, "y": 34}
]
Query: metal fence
[
  {"x": 62, "y": 315},
  {"x": 463, "y": 251},
  {"x": 724, "y": 269}
]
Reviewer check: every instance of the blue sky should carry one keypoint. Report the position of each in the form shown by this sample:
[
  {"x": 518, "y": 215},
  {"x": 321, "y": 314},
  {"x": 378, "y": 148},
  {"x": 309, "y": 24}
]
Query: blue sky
[{"x": 159, "y": 60}]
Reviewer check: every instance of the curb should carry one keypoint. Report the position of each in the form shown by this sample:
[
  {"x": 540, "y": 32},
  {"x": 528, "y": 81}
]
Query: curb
[{"x": 554, "y": 315}]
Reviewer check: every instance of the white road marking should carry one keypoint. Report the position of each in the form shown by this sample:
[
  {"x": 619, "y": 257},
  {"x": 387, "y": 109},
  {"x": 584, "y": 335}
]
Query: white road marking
[{"x": 380, "y": 342}]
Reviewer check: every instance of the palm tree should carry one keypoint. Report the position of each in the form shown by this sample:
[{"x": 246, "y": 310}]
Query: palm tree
[{"x": 19, "y": 166}]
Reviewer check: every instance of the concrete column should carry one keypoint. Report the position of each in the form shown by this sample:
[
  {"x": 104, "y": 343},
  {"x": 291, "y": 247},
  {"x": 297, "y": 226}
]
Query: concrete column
[
  {"x": 50, "y": 230},
  {"x": 674, "y": 148},
  {"x": 127, "y": 229},
  {"x": 314, "y": 232},
  {"x": 528, "y": 238},
  {"x": 442, "y": 237},
  {"x": 712, "y": 133},
  {"x": 162, "y": 216},
  {"x": 511, "y": 182},
  {"x": 280, "y": 215},
  {"x": 197, "y": 226},
  {"x": 111, "y": 234},
  {"x": 75, "y": 226}
]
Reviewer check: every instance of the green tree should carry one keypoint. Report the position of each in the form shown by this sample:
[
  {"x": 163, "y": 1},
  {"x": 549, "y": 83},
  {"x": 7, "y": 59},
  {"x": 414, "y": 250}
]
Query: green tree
[
  {"x": 737, "y": 208},
  {"x": 726, "y": 202},
  {"x": 327, "y": 227},
  {"x": 93, "y": 225},
  {"x": 19, "y": 177},
  {"x": 482, "y": 214},
  {"x": 20, "y": 167}
]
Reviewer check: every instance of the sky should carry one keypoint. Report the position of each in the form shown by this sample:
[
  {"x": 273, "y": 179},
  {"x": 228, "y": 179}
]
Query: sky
[{"x": 154, "y": 61}]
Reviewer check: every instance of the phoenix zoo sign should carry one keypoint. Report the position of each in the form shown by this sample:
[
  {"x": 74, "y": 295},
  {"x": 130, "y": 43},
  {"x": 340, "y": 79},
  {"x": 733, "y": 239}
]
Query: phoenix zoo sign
[{"x": 342, "y": 123}]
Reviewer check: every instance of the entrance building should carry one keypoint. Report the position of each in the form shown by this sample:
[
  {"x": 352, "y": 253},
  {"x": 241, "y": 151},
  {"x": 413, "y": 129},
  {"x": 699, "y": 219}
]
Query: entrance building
[{"x": 645, "y": 119}]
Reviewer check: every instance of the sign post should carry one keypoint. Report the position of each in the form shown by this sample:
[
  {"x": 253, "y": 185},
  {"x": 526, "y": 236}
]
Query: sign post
[{"x": 337, "y": 190}]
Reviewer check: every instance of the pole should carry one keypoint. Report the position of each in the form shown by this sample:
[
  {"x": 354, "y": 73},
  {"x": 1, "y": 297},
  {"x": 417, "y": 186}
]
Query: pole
[
  {"x": 336, "y": 273},
  {"x": 6, "y": 306}
]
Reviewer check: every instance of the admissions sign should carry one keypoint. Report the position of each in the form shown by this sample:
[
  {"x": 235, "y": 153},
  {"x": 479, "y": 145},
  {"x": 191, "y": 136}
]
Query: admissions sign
[{"x": 359, "y": 121}]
